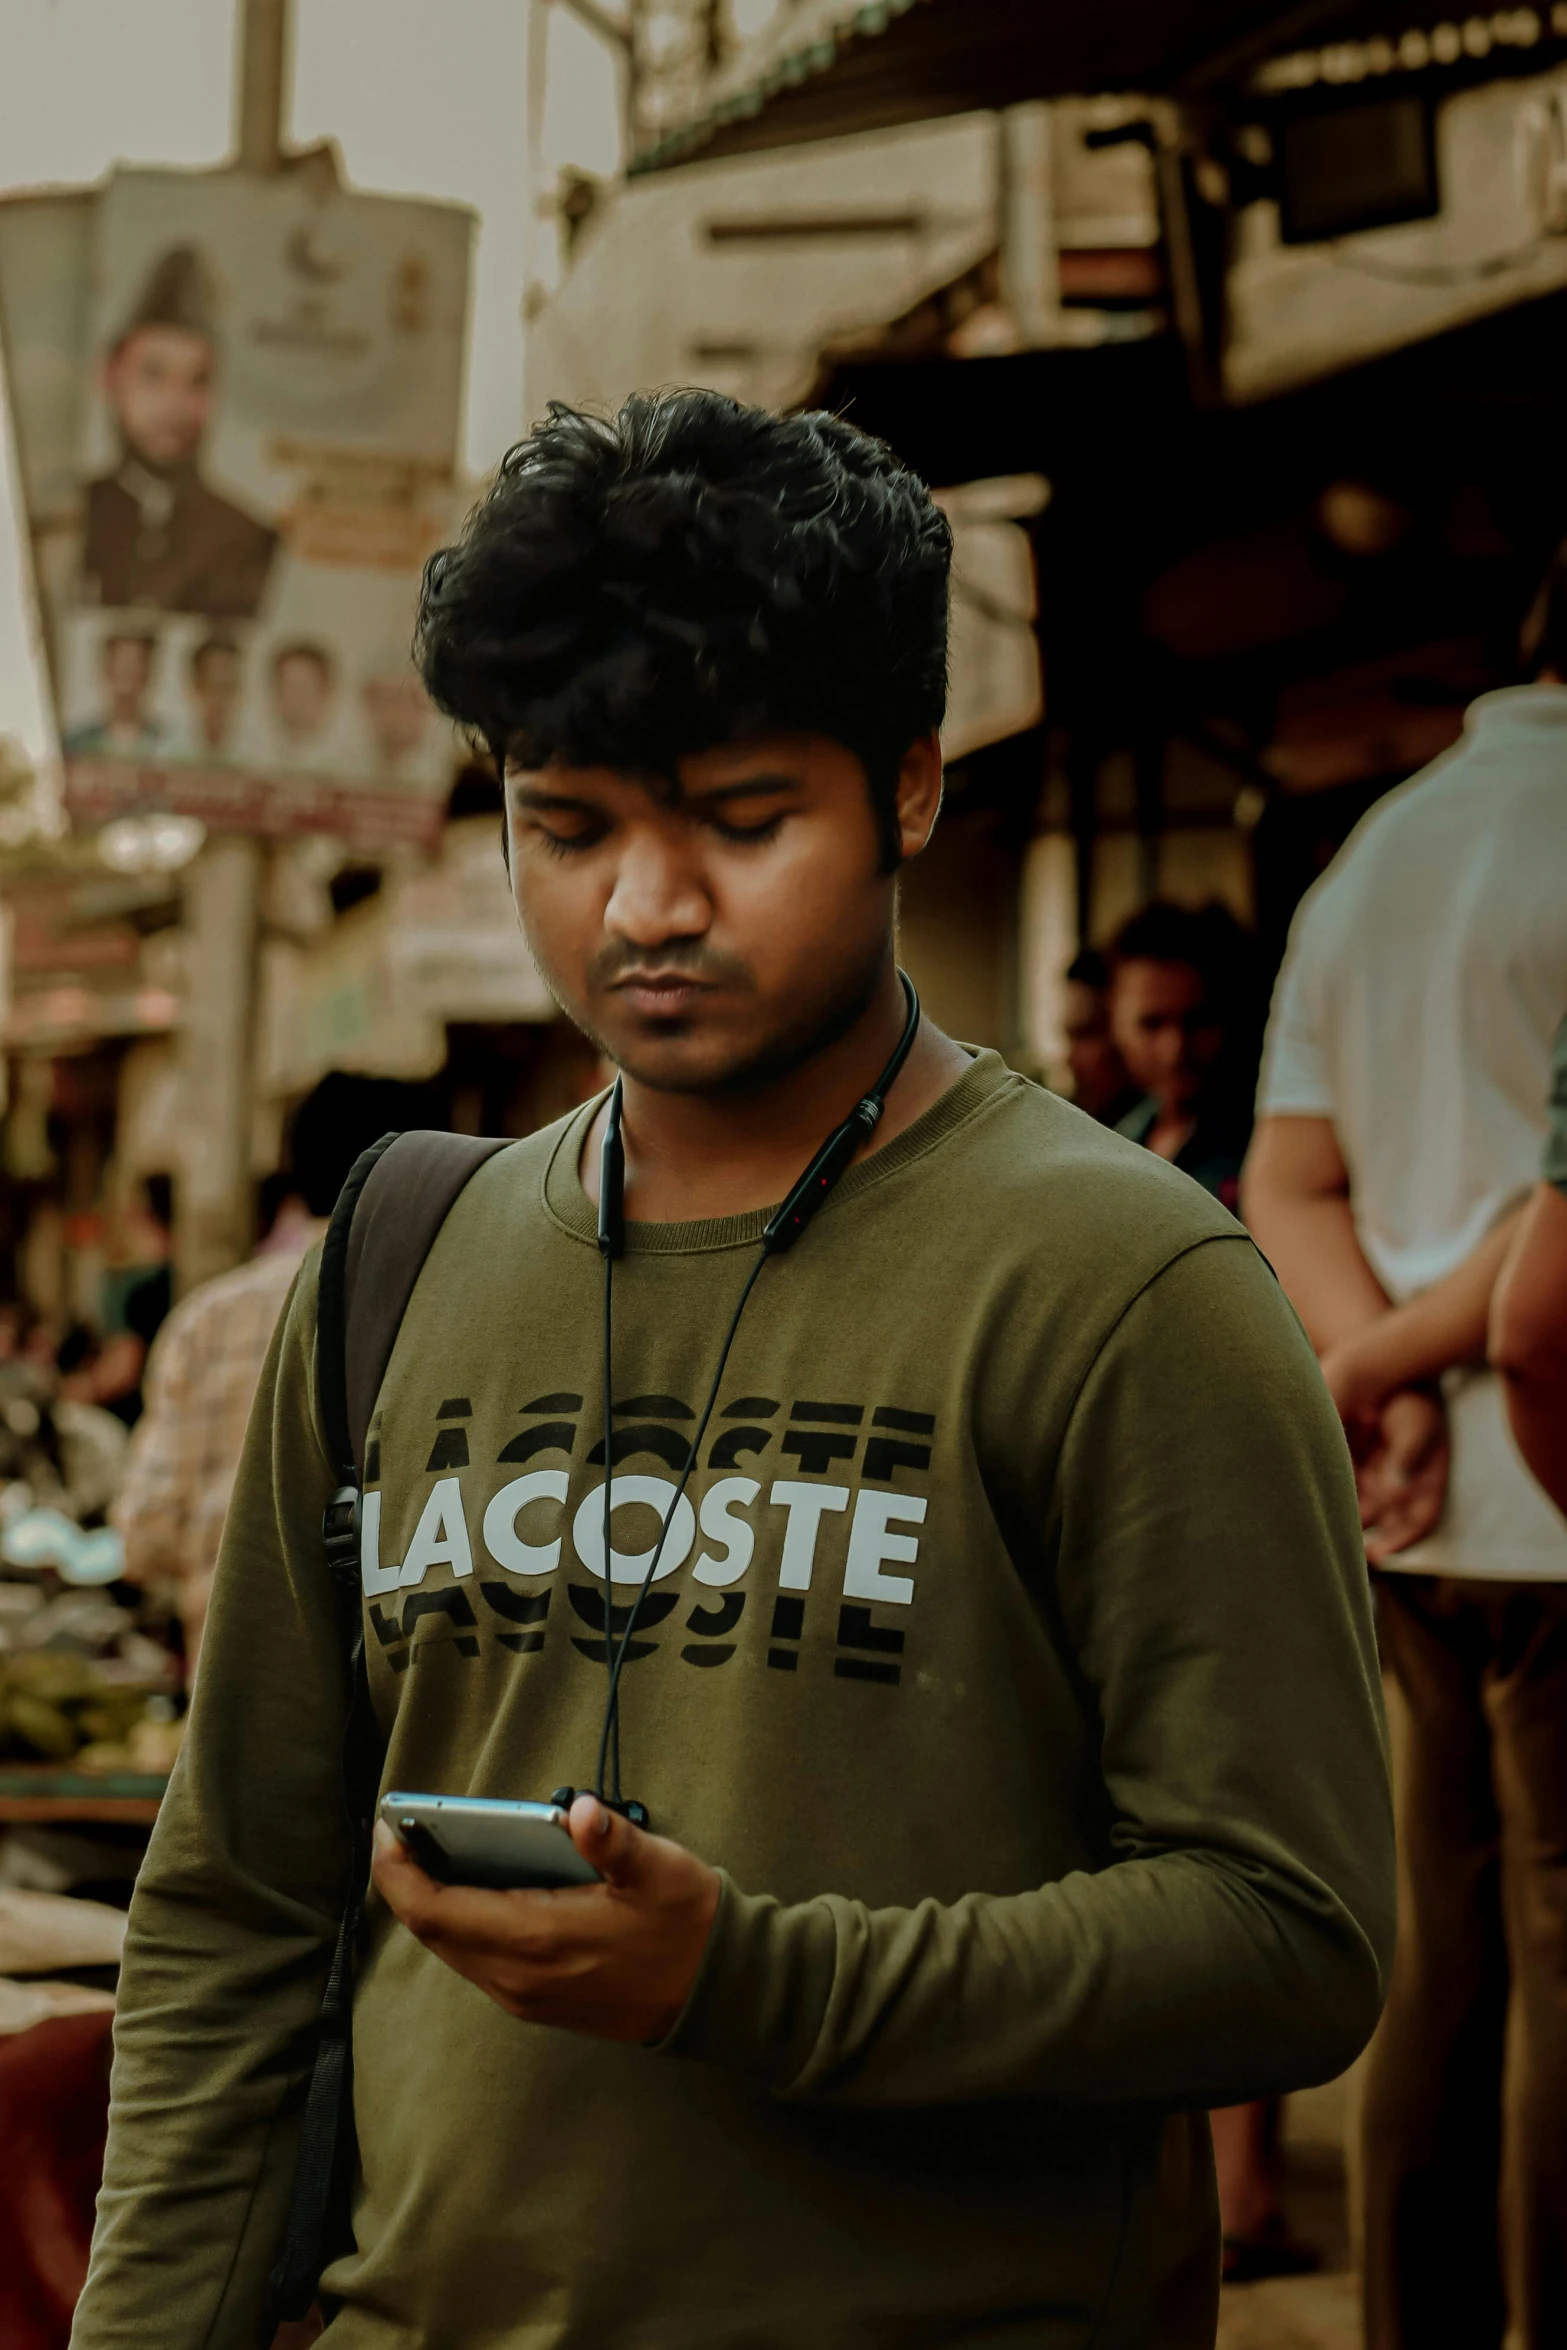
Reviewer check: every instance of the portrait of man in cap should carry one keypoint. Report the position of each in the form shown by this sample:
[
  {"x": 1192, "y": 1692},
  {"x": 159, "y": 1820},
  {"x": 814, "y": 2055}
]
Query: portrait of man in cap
[{"x": 157, "y": 534}]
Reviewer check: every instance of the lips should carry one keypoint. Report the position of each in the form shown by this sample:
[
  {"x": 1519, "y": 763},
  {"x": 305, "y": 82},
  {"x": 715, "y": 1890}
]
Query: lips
[{"x": 659, "y": 992}]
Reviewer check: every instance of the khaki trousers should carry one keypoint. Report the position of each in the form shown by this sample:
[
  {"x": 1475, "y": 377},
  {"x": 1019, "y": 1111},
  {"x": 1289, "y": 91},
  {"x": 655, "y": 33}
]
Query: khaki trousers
[{"x": 1464, "y": 2134}]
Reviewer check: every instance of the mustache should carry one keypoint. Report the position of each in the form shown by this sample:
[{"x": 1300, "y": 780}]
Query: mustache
[{"x": 693, "y": 959}]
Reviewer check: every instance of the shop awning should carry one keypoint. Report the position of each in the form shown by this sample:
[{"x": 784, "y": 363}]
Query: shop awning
[{"x": 829, "y": 67}]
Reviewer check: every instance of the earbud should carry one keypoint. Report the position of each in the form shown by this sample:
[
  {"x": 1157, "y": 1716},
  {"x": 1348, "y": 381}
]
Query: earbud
[{"x": 612, "y": 1182}]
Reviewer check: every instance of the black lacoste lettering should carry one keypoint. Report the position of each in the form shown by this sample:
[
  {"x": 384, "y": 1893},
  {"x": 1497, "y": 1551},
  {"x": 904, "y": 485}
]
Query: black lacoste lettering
[
  {"x": 885, "y": 1454},
  {"x": 750, "y": 1407},
  {"x": 451, "y": 1603},
  {"x": 666, "y": 1407},
  {"x": 521, "y": 1643},
  {"x": 518, "y": 1607},
  {"x": 708, "y": 1653},
  {"x": 714, "y": 1622},
  {"x": 854, "y": 1668},
  {"x": 449, "y": 1451},
  {"x": 549, "y": 1436},
  {"x": 840, "y": 1415},
  {"x": 731, "y": 1448},
  {"x": 887, "y": 1415},
  {"x": 386, "y": 1628},
  {"x": 559, "y": 1402},
  {"x": 816, "y": 1451},
  {"x": 644, "y": 1436},
  {"x": 588, "y": 1602},
  {"x": 457, "y": 1407},
  {"x": 783, "y": 1660},
  {"x": 788, "y": 1618},
  {"x": 857, "y": 1630}
]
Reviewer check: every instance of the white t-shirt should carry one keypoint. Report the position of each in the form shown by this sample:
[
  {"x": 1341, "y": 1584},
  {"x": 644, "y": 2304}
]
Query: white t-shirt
[{"x": 1425, "y": 979}]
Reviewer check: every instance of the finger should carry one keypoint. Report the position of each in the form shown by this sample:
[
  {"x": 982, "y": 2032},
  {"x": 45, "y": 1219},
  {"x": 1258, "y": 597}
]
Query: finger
[
  {"x": 398, "y": 1878},
  {"x": 609, "y": 1841}
]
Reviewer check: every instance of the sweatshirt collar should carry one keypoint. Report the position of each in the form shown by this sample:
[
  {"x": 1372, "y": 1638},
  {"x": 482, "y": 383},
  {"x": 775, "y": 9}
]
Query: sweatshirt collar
[{"x": 568, "y": 1205}]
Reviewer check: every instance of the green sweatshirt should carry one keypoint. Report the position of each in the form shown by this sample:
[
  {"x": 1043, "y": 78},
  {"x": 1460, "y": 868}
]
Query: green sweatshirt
[{"x": 1013, "y": 1661}]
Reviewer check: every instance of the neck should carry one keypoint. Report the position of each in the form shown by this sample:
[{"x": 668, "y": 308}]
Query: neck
[{"x": 692, "y": 1156}]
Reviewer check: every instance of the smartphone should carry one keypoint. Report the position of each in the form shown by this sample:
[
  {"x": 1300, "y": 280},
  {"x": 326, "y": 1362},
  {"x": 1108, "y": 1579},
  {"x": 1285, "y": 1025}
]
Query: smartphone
[{"x": 479, "y": 1840}]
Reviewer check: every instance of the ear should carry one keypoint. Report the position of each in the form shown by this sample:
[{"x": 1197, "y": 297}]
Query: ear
[{"x": 919, "y": 793}]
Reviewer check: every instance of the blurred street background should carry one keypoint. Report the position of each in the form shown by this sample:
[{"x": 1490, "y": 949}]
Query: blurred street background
[{"x": 1232, "y": 337}]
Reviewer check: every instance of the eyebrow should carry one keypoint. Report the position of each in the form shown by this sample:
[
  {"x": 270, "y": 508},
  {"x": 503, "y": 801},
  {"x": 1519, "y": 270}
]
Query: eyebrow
[{"x": 749, "y": 787}]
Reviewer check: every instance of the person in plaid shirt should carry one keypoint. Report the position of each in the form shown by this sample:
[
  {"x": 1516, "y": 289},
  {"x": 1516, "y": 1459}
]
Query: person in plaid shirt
[{"x": 207, "y": 1359}]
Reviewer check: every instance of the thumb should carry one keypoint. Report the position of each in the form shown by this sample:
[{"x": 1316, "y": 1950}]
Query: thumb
[{"x": 616, "y": 1849}]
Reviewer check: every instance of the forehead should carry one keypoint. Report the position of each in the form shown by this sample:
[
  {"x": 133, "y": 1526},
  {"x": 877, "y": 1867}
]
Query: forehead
[
  {"x": 787, "y": 759},
  {"x": 164, "y": 347},
  {"x": 1151, "y": 987}
]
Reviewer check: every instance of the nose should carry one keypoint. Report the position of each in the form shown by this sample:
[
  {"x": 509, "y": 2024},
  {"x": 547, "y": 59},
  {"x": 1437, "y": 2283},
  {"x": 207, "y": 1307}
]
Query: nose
[{"x": 658, "y": 894}]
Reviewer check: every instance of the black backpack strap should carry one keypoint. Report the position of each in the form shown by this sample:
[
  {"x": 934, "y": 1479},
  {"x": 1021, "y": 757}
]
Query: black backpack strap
[{"x": 397, "y": 1197}]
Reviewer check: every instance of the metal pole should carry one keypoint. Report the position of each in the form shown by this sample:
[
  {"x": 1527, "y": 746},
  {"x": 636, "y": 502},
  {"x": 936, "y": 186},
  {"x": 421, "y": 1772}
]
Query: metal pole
[
  {"x": 258, "y": 92},
  {"x": 222, "y": 894}
]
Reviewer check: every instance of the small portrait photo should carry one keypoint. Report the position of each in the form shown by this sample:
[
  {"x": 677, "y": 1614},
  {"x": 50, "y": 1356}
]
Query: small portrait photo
[
  {"x": 158, "y": 532},
  {"x": 114, "y": 709},
  {"x": 213, "y": 679},
  {"x": 405, "y": 736},
  {"x": 301, "y": 720}
]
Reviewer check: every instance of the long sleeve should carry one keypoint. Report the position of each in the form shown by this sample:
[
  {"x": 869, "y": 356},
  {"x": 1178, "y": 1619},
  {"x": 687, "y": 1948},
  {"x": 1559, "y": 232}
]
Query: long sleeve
[
  {"x": 1205, "y": 1573},
  {"x": 233, "y": 1917}
]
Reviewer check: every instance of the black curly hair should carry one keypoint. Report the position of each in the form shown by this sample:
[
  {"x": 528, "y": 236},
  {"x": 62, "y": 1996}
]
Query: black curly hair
[{"x": 640, "y": 587}]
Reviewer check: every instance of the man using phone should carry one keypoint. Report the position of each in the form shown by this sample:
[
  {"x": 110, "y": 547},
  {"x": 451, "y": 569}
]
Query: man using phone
[{"x": 1003, "y": 1693}]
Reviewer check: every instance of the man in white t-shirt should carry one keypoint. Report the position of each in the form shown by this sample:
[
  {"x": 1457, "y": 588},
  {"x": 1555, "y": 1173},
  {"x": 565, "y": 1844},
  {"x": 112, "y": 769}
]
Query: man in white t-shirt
[{"x": 1401, "y": 1115}]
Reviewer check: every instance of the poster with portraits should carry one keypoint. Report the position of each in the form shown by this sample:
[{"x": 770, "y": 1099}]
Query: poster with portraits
[{"x": 256, "y": 459}]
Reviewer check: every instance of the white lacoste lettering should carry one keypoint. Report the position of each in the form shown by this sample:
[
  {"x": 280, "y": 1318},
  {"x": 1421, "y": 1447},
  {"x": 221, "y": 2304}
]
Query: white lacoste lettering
[
  {"x": 501, "y": 1539},
  {"x": 736, "y": 1536},
  {"x": 806, "y": 1505},
  {"x": 587, "y": 1529},
  {"x": 441, "y": 1536},
  {"x": 870, "y": 1545}
]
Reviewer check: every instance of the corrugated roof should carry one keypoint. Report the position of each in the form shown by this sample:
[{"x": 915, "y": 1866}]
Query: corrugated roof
[{"x": 828, "y": 67}]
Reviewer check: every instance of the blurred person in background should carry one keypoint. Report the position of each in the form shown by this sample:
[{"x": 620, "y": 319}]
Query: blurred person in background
[
  {"x": 1402, "y": 1111},
  {"x": 1182, "y": 1025},
  {"x": 137, "y": 1295},
  {"x": 1100, "y": 1083},
  {"x": 204, "y": 1369},
  {"x": 1183, "y": 1018}
]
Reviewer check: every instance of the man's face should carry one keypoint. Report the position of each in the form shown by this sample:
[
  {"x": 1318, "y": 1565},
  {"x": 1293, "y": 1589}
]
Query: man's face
[
  {"x": 301, "y": 690},
  {"x": 1098, "y": 1071},
  {"x": 215, "y": 683},
  {"x": 127, "y": 672},
  {"x": 160, "y": 384},
  {"x": 721, "y": 939},
  {"x": 1168, "y": 1033}
]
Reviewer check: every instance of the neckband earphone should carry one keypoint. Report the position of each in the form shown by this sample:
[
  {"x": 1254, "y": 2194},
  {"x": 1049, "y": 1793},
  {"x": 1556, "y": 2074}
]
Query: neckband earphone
[{"x": 782, "y": 1230}]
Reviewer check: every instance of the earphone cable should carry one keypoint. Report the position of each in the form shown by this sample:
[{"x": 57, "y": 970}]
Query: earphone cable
[
  {"x": 609, "y": 1740},
  {"x": 609, "y": 1478}
]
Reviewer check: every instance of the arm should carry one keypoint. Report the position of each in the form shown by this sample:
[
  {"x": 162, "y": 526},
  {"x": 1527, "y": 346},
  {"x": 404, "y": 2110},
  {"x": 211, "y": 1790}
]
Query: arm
[
  {"x": 233, "y": 1918},
  {"x": 1295, "y": 1199},
  {"x": 1528, "y": 1338},
  {"x": 1413, "y": 1344},
  {"x": 1198, "y": 1538},
  {"x": 151, "y": 1511}
]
